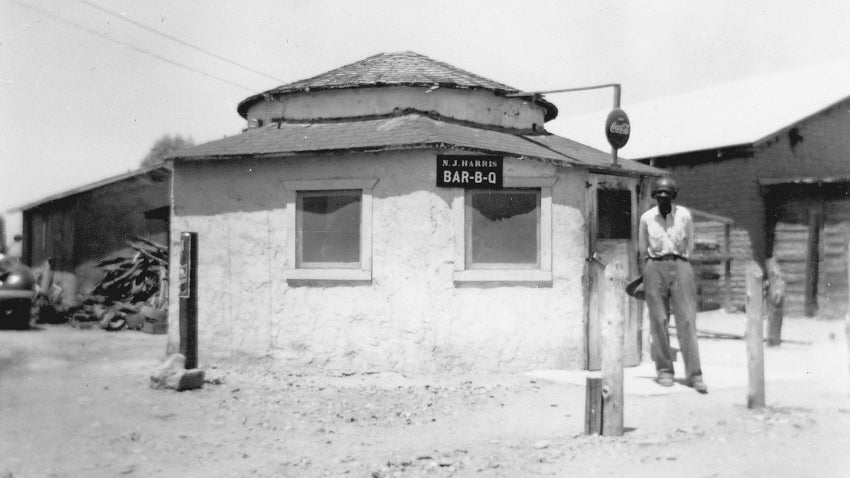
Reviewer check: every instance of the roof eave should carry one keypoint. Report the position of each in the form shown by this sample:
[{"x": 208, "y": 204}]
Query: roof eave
[
  {"x": 551, "y": 111},
  {"x": 802, "y": 181},
  {"x": 564, "y": 161},
  {"x": 164, "y": 168},
  {"x": 743, "y": 147},
  {"x": 784, "y": 129}
]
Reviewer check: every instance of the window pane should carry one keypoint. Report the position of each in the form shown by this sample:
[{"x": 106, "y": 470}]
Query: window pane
[
  {"x": 503, "y": 226},
  {"x": 329, "y": 226},
  {"x": 614, "y": 214}
]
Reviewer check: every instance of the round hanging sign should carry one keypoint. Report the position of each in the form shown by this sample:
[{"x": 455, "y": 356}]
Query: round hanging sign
[{"x": 617, "y": 128}]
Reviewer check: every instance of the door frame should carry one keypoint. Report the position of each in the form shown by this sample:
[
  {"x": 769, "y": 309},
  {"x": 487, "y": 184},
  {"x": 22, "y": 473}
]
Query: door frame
[{"x": 595, "y": 182}]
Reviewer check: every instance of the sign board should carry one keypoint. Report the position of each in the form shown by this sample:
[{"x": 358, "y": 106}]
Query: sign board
[
  {"x": 471, "y": 172},
  {"x": 617, "y": 128},
  {"x": 185, "y": 265}
]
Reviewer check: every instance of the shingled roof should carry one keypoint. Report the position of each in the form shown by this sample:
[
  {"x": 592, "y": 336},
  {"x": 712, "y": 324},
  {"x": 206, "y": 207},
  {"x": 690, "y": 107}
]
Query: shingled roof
[
  {"x": 411, "y": 131},
  {"x": 394, "y": 69}
]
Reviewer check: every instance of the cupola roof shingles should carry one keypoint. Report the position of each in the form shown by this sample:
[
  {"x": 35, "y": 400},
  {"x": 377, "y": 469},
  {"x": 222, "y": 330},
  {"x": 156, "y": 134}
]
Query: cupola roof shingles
[{"x": 405, "y": 68}]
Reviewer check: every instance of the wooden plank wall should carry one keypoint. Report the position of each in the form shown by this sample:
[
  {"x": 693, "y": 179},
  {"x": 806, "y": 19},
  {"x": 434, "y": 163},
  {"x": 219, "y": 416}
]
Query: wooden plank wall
[
  {"x": 790, "y": 250},
  {"x": 708, "y": 235}
]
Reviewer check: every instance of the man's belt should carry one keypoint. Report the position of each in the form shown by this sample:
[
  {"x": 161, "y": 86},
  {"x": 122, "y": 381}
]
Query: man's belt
[{"x": 668, "y": 257}]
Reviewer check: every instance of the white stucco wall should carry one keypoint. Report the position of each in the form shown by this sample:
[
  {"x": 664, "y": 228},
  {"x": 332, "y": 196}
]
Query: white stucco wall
[
  {"x": 479, "y": 106},
  {"x": 412, "y": 316}
]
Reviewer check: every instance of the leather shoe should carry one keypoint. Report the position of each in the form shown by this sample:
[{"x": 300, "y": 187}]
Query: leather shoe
[
  {"x": 699, "y": 385},
  {"x": 665, "y": 380}
]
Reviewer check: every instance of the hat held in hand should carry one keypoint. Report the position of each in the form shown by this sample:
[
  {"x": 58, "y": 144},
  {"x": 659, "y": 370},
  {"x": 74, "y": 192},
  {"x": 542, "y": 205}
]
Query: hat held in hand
[{"x": 635, "y": 288}]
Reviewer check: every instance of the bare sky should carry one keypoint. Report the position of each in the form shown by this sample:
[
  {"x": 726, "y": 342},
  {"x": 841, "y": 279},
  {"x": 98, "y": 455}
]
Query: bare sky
[{"x": 84, "y": 94}]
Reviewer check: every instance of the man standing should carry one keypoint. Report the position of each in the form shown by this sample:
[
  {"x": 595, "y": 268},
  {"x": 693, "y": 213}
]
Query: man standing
[{"x": 665, "y": 242}]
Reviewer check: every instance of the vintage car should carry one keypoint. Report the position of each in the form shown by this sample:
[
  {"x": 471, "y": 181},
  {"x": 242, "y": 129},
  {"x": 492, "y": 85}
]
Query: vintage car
[{"x": 17, "y": 291}]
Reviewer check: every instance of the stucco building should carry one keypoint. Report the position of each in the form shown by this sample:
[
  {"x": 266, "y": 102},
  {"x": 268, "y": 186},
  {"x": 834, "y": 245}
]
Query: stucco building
[{"x": 400, "y": 213}]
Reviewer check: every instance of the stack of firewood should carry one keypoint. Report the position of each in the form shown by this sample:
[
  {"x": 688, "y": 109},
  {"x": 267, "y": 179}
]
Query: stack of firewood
[
  {"x": 133, "y": 291},
  {"x": 135, "y": 279}
]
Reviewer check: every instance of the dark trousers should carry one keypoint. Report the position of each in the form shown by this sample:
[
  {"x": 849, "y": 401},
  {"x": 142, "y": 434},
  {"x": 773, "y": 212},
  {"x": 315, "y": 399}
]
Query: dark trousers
[{"x": 670, "y": 287}]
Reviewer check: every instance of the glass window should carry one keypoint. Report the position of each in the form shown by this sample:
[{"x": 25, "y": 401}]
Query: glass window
[
  {"x": 614, "y": 214},
  {"x": 328, "y": 229},
  {"x": 503, "y": 228}
]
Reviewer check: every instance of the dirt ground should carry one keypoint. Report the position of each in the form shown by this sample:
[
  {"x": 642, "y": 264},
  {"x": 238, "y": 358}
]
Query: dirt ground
[{"x": 77, "y": 403}]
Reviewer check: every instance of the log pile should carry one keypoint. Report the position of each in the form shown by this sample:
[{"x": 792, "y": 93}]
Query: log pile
[
  {"x": 133, "y": 294},
  {"x": 134, "y": 279},
  {"x": 707, "y": 273}
]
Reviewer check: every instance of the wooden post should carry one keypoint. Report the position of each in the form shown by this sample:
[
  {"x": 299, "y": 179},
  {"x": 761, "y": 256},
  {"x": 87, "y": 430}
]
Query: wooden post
[
  {"x": 613, "y": 301},
  {"x": 847, "y": 314},
  {"x": 593, "y": 406},
  {"x": 646, "y": 335},
  {"x": 727, "y": 267},
  {"x": 2, "y": 237},
  {"x": 189, "y": 298},
  {"x": 755, "y": 337},
  {"x": 847, "y": 333},
  {"x": 812, "y": 263},
  {"x": 775, "y": 302}
]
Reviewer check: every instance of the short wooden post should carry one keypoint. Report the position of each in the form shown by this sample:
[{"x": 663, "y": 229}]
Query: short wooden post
[
  {"x": 2, "y": 237},
  {"x": 812, "y": 263},
  {"x": 189, "y": 298},
  {"x": 847, "y": 333},
  {"x": 847, "y": 314},
  {"x": 727, "y": 267},
  {"x": 46, "y": 278},
  {"x": 613, "y": 302},
  {"x": 755, "y": 337},
  {"x": 775, "y": 302},
  {"x": 645, "y": 335},
  {"x": 593, "y": 406}
]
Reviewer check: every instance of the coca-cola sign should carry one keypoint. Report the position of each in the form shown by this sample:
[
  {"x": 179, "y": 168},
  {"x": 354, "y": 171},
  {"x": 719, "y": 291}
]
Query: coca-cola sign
[{"x": 617, "y": 128}]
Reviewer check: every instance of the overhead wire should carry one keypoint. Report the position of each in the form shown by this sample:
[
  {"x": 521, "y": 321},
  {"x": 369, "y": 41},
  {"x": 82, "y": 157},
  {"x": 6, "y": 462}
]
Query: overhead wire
[
  {"x": 175, "y": 39},
  {"x": 132, "y": 47}
]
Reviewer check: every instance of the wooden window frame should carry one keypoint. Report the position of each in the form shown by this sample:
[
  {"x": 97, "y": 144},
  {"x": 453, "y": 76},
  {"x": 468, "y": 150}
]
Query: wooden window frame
[
  {"x": 468, "y": 211},
  {"x": 542, "y": 272},
  {"x": 299, "y": 218},
  {"x": 333, "y": 272}
]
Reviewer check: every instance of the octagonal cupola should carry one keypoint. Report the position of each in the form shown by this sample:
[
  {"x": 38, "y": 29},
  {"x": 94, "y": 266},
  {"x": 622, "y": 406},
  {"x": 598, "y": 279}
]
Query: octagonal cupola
[{"x": 395, "y": 84}]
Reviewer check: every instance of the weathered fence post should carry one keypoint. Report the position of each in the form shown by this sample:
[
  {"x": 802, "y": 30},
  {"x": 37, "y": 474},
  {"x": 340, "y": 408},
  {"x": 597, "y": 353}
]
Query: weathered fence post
[
  {"x": 847, "y": 333},
  {"x": 593, "y": 406},
  {"x": 812, "y": 264},
  {"x": 755, "y": 337},
  {"x": 613, "y": 302},
  {"x": 775, "y": 302},
  {"x": 604, "y": 396},
  {"x": 727, "y": 267},
  {"x": 189, "y": 298},
  {"x": 847, "y": 314},
  {"x": 2, "y": 236},
  {"x": 645, "y": 334}
]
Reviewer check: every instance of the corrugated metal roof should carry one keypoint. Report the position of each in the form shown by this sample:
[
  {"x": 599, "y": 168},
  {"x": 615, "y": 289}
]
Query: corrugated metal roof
[
  {"x": 738, "y": 113},
  {"x": 393, "y": 69},
  {"x": 411, "y": 131},
  {"x": 804, "y": 180}
]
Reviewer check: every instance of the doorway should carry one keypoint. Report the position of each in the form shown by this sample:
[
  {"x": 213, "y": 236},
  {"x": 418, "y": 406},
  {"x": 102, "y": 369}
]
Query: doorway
[{"x": 612, "y": 236}]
